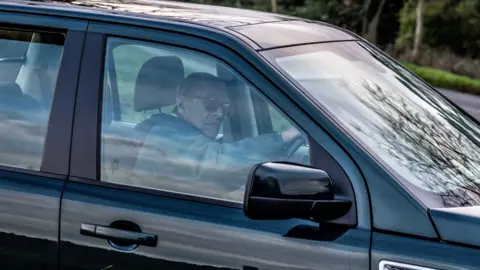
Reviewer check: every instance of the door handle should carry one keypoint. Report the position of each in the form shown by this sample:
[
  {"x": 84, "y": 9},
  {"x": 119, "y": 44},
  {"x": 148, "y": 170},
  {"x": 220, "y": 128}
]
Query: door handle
[{"x": 113, "y": 234}]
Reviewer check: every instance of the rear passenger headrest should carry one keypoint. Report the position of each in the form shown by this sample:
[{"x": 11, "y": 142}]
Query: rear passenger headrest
[
  {"x": 11, "y": 89},
  {"x": 13, "y": 99},
  {"x": 157, "y": 83}
]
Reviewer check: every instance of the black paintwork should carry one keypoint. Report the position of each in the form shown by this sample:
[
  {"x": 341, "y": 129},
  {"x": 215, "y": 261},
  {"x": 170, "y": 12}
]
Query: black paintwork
[
  {"x": 56, "y": 157},
  {"x": 193, "y": 235},
  {"x": 84, "y": 162},
  {"x": 279, "y": 190},
  {"x": 280, "y": 180},
  {"x": 29, "y": 207}
]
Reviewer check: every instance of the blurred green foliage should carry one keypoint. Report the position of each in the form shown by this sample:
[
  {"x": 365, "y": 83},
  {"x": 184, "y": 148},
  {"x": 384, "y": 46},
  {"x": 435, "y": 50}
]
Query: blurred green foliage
[{"x": 455, "y": 27}]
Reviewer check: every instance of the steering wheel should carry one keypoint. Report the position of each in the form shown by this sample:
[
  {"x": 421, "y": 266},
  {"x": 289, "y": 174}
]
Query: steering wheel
[{"x": 295, "y": 143}]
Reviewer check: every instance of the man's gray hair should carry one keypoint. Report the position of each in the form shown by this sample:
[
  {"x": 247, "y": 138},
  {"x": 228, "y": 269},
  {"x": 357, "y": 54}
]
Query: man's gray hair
[{"x": 200, "y": 81}]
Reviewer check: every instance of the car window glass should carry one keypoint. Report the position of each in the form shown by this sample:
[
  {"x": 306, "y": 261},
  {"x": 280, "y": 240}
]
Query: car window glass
[
  {"x": 29, "y": 63},
  {"x": 427, "y": 144},
  {"x": 188, "y": 123},
  {"x": 127, "y": 68},
  {"x": 279, "y": 121}
]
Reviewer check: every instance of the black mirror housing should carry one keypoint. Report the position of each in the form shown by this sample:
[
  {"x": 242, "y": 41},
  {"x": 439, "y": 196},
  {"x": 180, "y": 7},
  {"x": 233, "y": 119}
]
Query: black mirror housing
[{"x": 281, "y": 190}]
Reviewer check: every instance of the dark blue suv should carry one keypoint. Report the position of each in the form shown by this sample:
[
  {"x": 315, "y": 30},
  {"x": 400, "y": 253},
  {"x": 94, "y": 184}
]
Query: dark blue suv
[{"x": 139, "y": 134}]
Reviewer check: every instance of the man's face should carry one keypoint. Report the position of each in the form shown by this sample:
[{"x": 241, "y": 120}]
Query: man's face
[{"x": 206, "y": 109}]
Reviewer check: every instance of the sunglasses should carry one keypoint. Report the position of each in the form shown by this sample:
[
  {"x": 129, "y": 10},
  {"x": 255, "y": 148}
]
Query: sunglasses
[{"x": 212, "y": 104}]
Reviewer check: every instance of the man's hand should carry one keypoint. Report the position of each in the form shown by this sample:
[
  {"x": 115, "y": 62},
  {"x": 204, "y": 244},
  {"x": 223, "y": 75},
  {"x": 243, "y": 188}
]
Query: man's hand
[{"x": 290, "y": 134}]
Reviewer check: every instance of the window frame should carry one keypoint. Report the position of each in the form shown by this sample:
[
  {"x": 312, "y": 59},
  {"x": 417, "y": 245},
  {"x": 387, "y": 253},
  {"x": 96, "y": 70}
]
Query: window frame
[
  {"x": 87, "y": 133},
  {"x": 57, "y": 141}
]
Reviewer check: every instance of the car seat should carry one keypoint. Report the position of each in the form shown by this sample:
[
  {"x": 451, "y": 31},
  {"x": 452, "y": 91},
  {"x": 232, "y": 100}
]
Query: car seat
[{"x": 156, "y": 87}]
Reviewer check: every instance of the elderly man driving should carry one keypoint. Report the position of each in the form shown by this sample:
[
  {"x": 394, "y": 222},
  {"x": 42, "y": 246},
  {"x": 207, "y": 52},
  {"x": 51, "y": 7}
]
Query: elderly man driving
[{"x": 181, "y": 152}]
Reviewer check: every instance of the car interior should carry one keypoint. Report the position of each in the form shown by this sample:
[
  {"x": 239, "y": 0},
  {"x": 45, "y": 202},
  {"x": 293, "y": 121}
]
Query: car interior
[
  {"x": 29, "y": 64},
  {"x": 29, "y": 67},
  {"x": 154, "y": 93}
]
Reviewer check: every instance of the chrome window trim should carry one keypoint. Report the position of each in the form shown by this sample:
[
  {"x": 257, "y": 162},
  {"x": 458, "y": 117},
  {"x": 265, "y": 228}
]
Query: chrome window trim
[{"x": 400, "y": 266}]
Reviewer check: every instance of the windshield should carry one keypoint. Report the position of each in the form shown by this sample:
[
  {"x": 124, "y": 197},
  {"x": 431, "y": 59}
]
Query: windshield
[{"x": 429, "y": 144}]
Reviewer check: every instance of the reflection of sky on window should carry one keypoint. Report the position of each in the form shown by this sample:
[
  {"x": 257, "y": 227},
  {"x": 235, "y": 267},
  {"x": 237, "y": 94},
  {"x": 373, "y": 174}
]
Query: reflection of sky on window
[
  {"x": 338, "y": 83},
  {"x": 129, "y": 58},
  {"x": 192, "y": 62}
]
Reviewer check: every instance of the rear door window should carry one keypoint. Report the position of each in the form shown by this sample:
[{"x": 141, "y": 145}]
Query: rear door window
[{"x": 29, "y": 64}]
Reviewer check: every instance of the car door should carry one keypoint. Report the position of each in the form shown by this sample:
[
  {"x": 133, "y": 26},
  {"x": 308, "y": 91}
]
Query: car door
[
  {"x": 39, "y": 64},
  {"x": 123, "y": 188}
]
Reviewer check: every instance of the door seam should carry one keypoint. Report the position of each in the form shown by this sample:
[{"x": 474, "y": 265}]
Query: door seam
[{"x": 59, "y": 240}]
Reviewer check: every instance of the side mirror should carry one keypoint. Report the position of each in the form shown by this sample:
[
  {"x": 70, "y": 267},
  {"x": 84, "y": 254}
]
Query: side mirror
[{"x": 279, "y": 190}]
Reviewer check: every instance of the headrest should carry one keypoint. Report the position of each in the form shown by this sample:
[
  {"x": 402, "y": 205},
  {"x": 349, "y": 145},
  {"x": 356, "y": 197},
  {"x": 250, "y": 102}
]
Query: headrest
[
  {"x": 11, "y": 90},
  {"x": 157, "y": 83}
]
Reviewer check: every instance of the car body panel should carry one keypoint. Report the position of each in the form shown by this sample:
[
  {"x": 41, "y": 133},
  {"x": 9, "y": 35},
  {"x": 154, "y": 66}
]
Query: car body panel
[
  {"x": 194, "y": 235},
  {"x": 41, "y": 21},
  {"x": 287, "y": 33},
  {"x": 29, "y": 220},
  {"x": 422, "y": 253},
  {"x": 58, "y": 142},
  {"x": 393, "y": 208},
  {"x": 459, "y": 224},
  {"x": 30, "y": 200}
]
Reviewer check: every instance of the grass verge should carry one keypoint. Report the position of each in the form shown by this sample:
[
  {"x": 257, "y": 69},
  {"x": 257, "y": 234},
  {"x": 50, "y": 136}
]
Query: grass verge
[{"x": 444, "y": 79}]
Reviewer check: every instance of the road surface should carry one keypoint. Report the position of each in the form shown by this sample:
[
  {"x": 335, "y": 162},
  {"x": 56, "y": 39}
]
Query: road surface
[{"x": 470, "y": 103}]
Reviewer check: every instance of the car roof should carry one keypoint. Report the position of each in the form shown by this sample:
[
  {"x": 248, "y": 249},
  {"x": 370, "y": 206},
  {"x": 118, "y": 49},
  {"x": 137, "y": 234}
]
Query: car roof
[{"x": 265, "y": 30}]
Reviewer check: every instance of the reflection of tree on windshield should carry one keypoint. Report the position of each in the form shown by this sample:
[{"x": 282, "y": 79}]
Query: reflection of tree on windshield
[{"x": 441, "y": 153}]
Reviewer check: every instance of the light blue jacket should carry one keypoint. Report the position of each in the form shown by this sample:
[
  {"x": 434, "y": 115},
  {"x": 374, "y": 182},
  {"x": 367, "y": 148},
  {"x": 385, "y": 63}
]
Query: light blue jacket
[{"x": 178, "y": 157}]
